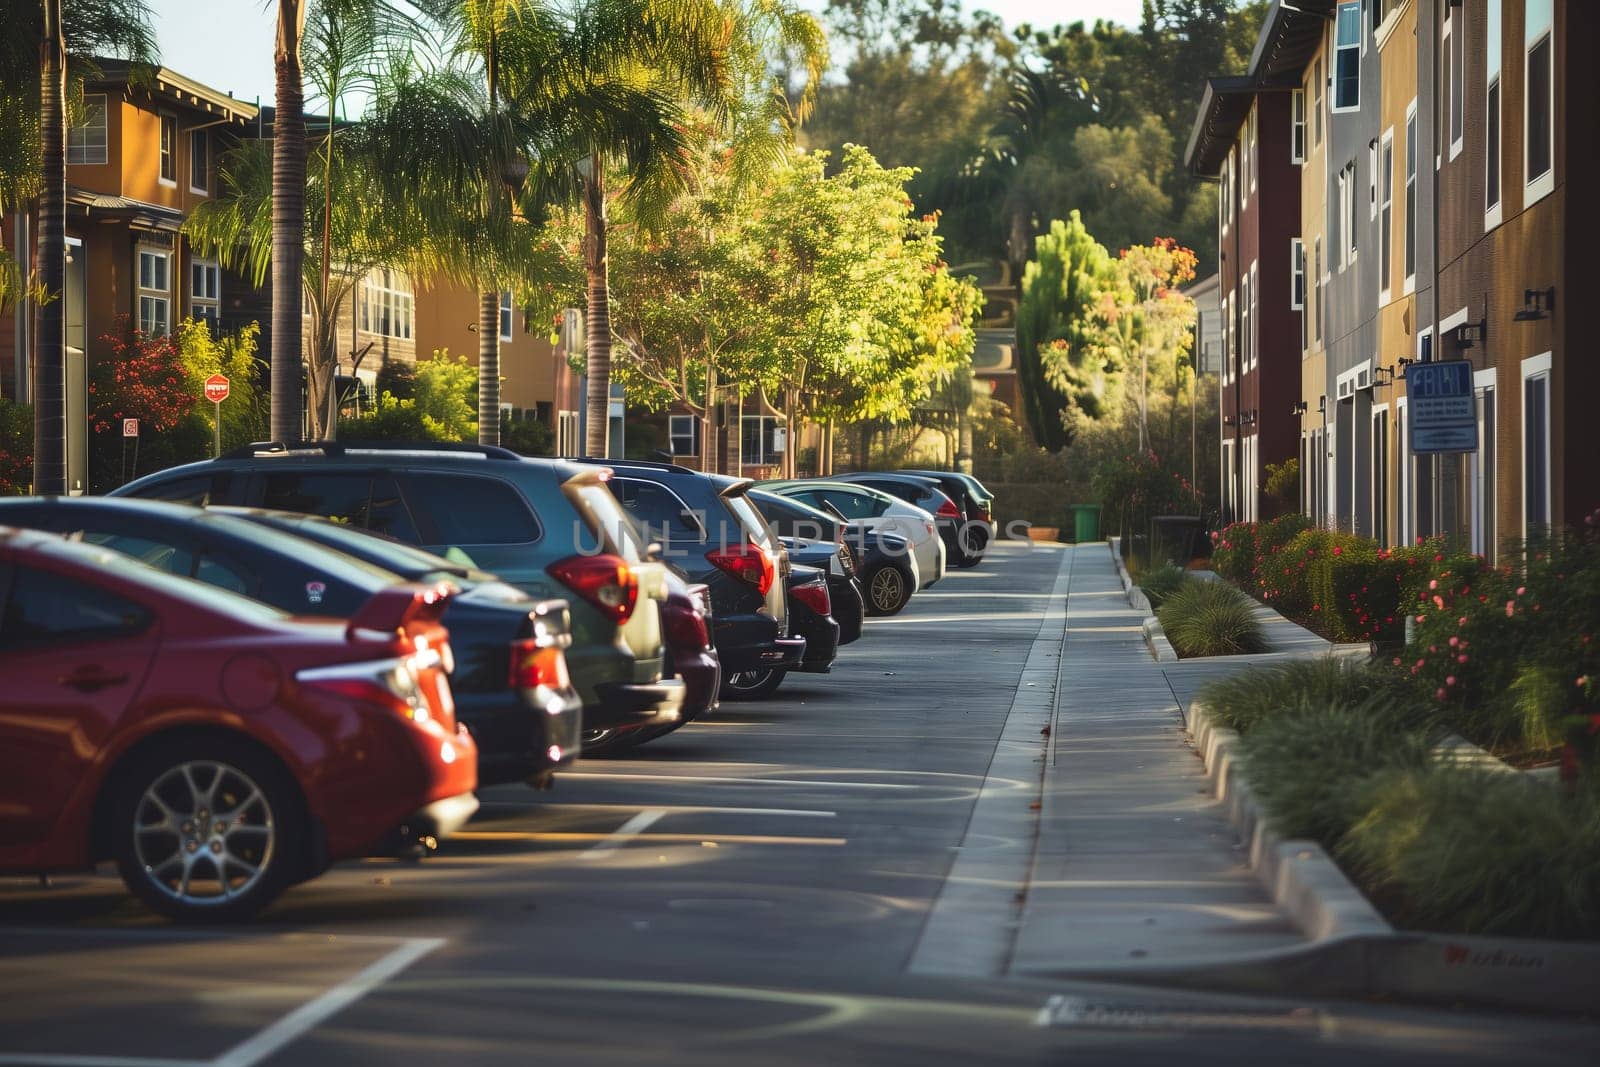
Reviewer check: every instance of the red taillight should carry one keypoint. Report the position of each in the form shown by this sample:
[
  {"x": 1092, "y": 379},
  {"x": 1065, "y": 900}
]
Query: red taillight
[
  {"x": 604, "y": 581},
  {"x": 687, "y": 629},
  {"x": 983, "y": 513},
  {"x": 533, "y": 666},
  {"x": 396, "y": 685},
  {"x": 814, "y": 595},
  {"x": 948, "y": 510},
  {"x": 747, "y": 563}
]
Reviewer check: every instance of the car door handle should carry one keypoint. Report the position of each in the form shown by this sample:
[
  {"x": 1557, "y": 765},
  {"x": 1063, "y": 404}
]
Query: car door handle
[{"x": 91, "y": 679}]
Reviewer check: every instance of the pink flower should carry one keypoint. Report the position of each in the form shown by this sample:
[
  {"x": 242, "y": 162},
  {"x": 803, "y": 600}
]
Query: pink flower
[
  {"x": 1511, "y": 608},
  {"x": 1450, "y": 679},
  {"x": 1521, "y": 589},
  {"x": 1454, "y": 641},
  {"x": 1461, "y": 658},
  {"x": 1434, "y": 584},
  {"x": 1438, "y": 601},
  {"x": 1461, "y": 621},
  {"x": 1397, "y": 661},
  {"x": 1337, "y": 551},
  {"x": 1438, "y": 694}
]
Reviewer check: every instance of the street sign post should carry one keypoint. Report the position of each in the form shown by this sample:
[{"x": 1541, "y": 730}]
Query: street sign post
[
  {"x": 216, "y": 390},
  {"x": 130, "y": 427},
  {"x": 1442, "y": 407}
]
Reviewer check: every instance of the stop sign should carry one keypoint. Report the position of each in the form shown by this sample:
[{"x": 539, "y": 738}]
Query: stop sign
[{"x": 217, "y": 388}]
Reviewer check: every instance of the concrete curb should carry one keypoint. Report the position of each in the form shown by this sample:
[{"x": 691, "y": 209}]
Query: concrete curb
[
  {"x": 1128, "y": 588},
  {"x": 1156, "y": 638}
]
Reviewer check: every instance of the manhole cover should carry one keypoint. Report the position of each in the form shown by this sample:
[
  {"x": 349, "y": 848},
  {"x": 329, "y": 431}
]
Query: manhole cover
[{"x": 1088, "y": 1013}]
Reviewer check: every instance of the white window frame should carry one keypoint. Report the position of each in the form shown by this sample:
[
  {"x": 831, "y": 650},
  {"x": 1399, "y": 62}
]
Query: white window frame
[
  {"x": 1402, "y": 457},
  {"x": 1412, "y": 191},
  {"x": 1358, "y": 45},
  {"x": 1372, "y": 181},
  {"x": 1318, "y": 99},
  {"x": 1244, "y": 323},
  {"x": 1494, "y": 116},
  {"x": 167, "y": 149},
  {"x": 1537, "y": 187},
  {"x": 88, "y": 152},
  {"x": 1253, "y": 333},
  {"x": 1319, "y": 282},
  {"x": 768, "y": 457},
  {"x": 388, "y": 304},
  {"x": 1537, "y": 368},
  {"x": 1482, "y": 475},
  {"x": 1380, "y": 416},
  {"x": 1386, "y": 216},
  {"x": 1330, "y": 477},
  {"x": 1297, "y": 274},
  {"x": 507, "y": 317},
  {"x": 1253, "y": 167},
  {"x": 1453, "y": 103},
  {"x": 203, "y": 304},
  {"x": 693, "y": 433},
  {"x": 1298, "y": 148},
  {"x": 152, "y": 295},
  {"x": 1225, "y": 192},
  {"x": 1228, "y": 333},
  {"x": 202, "y": 137}
]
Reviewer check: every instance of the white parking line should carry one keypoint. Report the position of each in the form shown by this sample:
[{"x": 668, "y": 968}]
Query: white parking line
[
  {"x": 314, "y": 1013},
  {"x": 623, "y": 834},
  {"x": 698, "y": 779},
  {"x": 670, "y": 809}
]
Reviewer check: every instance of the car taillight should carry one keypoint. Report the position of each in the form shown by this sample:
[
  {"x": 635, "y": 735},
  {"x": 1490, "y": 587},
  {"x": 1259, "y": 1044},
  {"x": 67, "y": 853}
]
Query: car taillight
[
  {"x": 814, "y": 595},
  {"x": 948, "y": 510},
  {"x": 392, "y": 684},
  {"x": 983, "y": 513},
  {"x": 533, "y": 665},
  {"x": 687, "y": 629},
  {"x": 745, "y": 562},
  {"x": 604, "y": 581}
]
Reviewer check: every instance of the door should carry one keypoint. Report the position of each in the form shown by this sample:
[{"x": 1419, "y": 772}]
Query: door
[{"x": 73, "y": 657}]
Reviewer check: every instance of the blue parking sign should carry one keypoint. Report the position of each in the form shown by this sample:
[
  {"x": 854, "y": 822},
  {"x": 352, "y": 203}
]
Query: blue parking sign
[{"x": 1442, "y": 407}]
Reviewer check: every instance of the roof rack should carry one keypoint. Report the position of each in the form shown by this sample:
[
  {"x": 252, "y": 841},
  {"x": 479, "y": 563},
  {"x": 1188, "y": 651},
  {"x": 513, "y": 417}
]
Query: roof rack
[
  {"x": 338, "y": 448},
  {"x": 648, "y": 464}
]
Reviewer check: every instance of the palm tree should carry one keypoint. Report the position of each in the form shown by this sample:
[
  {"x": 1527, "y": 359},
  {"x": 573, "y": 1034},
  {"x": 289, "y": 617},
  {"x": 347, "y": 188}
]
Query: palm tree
[
  {"x": 50, "y": 45},
  {"x": 288, "y": 217}
]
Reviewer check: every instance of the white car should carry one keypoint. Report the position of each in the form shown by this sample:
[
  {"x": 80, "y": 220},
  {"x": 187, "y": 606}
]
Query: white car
[{"x": 873, "y": 510}]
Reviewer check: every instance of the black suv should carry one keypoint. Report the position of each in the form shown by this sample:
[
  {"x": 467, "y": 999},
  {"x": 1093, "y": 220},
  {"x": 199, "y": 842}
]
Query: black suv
[
  {"x": 709, "y": 529},
  {"x": 549, "y": 527}
]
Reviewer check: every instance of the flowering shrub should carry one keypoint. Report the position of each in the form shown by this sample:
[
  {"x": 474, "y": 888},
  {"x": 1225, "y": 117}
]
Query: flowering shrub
[
  {"x": 16, "y": 448},
  {"x": 1140, "y": 488}
]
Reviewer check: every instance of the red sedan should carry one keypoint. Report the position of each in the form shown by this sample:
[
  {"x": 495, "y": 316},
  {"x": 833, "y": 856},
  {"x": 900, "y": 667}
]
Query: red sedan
[{"x": 217, "y": 749}]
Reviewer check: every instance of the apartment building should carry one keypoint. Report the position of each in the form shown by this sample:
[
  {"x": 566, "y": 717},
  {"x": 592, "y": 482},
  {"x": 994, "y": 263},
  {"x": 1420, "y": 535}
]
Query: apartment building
[
  {"x": 1248, "y": 138},
  {"x": 1433, "y": 141},
  {"x": 139, "y": 161}
]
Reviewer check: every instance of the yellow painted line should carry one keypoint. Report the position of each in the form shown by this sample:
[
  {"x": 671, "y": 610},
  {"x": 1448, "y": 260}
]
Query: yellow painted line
[{"x": 560, "y": 836}]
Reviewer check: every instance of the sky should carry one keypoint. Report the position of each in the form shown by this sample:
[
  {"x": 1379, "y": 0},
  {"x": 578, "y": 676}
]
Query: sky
[{"x": 227, "y": 44}]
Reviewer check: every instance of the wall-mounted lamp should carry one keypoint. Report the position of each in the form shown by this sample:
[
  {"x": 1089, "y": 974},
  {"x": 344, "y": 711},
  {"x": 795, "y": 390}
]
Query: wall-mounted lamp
[
  {"x": 1322, "y": 404},
  {"x": 1536, "y": 304},
  {"x": 1404, "y": 362},
  {"x": 1300, "y": 408},
  {"x": 1470, "y": 333},
  {"x": 1227, "y": 420},
  {"x": 1382, "y": 376}
]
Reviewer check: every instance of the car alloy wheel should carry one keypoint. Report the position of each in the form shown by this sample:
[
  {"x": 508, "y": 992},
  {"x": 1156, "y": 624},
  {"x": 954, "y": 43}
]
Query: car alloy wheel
[
  {"x": 752, "y": 685},
  {"x": 886, "y": 590},
  {"x": 204, "y": 832}
]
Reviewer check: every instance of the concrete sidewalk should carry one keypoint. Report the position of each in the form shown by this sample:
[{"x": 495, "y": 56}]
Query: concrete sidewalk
[{"x": 1134, "y": 861}]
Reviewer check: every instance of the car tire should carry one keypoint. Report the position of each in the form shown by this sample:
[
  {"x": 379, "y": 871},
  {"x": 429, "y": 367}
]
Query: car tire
[
  {"x": 752, "y": 685},
  {"x": 888, "y": 590},
  {"x": 175, "y": 801},
  {"x": 974, "y": 542}
]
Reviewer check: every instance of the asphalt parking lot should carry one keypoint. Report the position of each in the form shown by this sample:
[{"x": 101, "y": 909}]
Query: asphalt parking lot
[{"x": 749, "y": 889}]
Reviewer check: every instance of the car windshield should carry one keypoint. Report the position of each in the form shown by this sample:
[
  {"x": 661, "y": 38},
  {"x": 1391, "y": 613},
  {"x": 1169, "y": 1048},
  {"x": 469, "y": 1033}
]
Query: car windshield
[{"x": 206, "y": 597}]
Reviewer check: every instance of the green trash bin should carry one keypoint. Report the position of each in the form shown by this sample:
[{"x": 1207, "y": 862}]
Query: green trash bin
[{"x": 1085, "y": 522}]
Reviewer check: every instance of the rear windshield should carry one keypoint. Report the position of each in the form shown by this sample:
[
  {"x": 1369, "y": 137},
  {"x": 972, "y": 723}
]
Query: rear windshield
[
  {"x": 605, "y": 518},
  {"x": 206, "y": 597},
  {"x": 750, "y": 519},
  {"x": 397, "y": 556},
  {"x": 472, "y": 510}
]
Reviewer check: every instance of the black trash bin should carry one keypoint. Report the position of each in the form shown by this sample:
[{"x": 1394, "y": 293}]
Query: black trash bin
[{"x": 1177, "y": 538}]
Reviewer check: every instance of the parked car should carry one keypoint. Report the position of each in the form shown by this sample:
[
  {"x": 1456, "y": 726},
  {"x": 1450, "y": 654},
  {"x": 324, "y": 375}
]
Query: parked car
[
  {"x": 810, "y": 617},
  {"x": 924, "y": 493},
  {"x": 218, "y": 749},
  {"x": 837, "y": 564},
  {"x": 708, "y": 529},
  {"x": 549, "y": 527},
  {"x": 509, "y": 678},
  {"x": 976, "y": 504},
  {"x": 884, "y": 563},
  {"x": 691, "y": 651},
  {"x": 874, "y": 510}
]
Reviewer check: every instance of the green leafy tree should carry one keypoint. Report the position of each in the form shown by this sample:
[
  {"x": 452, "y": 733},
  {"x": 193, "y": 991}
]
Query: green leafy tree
[{"x": 1060, "y": 360}]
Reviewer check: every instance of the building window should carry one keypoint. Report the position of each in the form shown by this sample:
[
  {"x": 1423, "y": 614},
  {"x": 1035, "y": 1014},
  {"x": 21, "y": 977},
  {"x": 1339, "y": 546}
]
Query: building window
[
  {"x": 1316, "y": 98},
  {"x": 1227, "y": 338},
  {"x": 1453, "y": 55},
  {"x": 169, "y": 149},
  {"x": 759, "y": 440},
  {"x": 1386, "y": 217},
  {"x": 200, "y": 161},
  {"x": 1245, "y": 332},
  {"x": 1491, "y": 118},
  {"x": 567, "y": 443},
  {"x": 1297, "y": 126},
  {"x": 1254, "y": 165},
  {"x": 1485, "y": 495},
  {"x": 155, "y": 293},
  {"x": 505, "y": 316},
  {"x": 1538, "y": 124},
  {"x": 1402, "y": 468},
  {"x": 1347, "y": 215},
  {"x": 1536, "y": 509},
  {"x": 387, "y": 304},
  {"x": 1411, "y": 197},
  {"x": 205, "y": 291},
  {"x": 685, "y": 433},
  {"x": 1380, "y": 475},
  {"x": 1297, "y": 285},
  {"x": 1372, "y": 181},
  {"x": 1316, "y": 284},
  {"x": 86, "y": 142},
  {"x": 1253, "y": 310},
  {"x": 1347, "y": 57}
]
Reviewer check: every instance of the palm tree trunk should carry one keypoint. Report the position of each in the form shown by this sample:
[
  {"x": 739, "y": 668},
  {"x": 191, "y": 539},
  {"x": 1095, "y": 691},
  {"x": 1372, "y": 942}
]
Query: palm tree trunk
[
  {"x": 489, "y": 369},
  {"x": 288, "y": 220},
  {"x": 49, "y": 368},
  {"x": 597, "y": 437}
]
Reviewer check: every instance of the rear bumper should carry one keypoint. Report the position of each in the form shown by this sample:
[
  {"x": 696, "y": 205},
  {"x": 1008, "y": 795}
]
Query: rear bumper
[
  {"x": 439, "y": 819},
  {"x": 821, "y": 633},
  {"x": 752, "y": 643},
  {"x": 849, "y": 607},
  {"x": 522, "y": 733},
  {"x": 701, "y": 672},
  {"x": 636, "y": 704}
]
